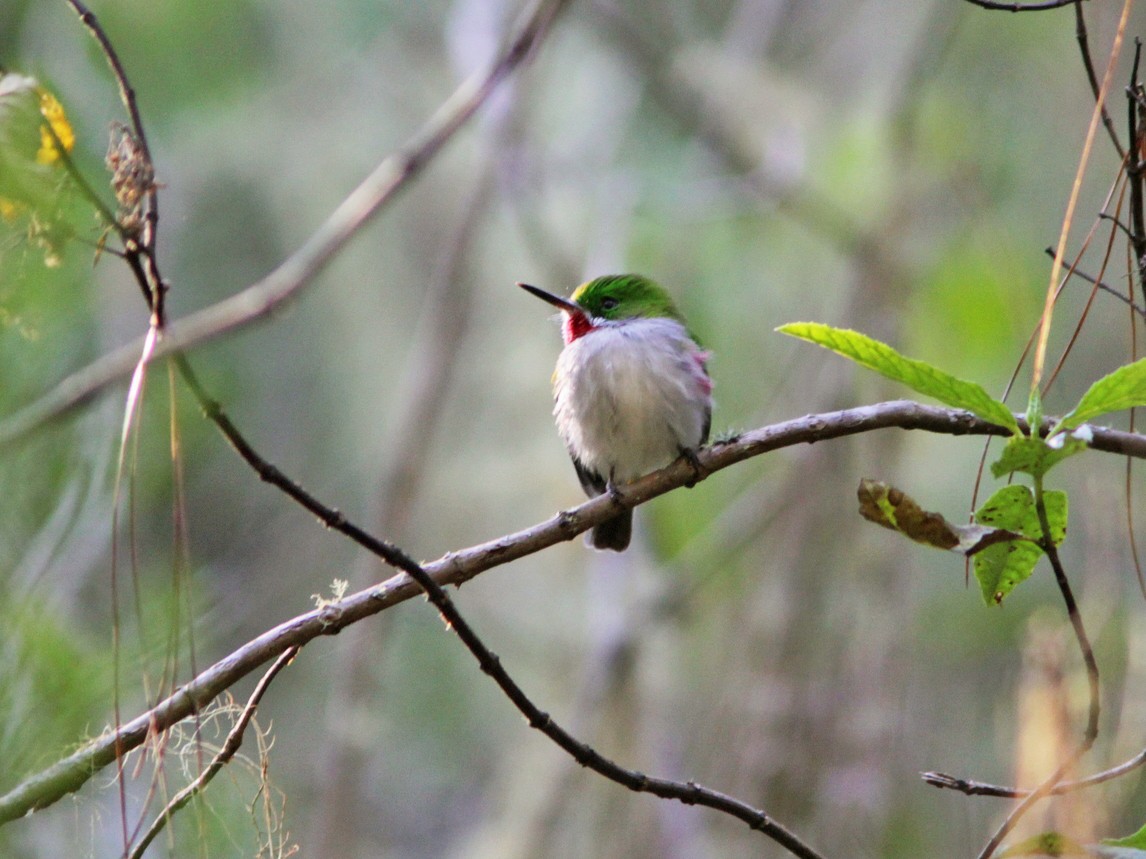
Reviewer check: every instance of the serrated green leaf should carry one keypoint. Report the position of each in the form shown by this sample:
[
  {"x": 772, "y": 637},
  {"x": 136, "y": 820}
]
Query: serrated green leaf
[
  {"x": 917, "y": 375},
  {"x": 1035, "y": 456},
  {"x": 1013, "y": 508},
  {"x": 1002, "y": 567},
  {"x": 1125, "y": 388}
]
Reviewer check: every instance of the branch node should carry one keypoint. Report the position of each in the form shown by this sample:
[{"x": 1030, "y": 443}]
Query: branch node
[
  {"x": 329, "y": 616},
  {"x": 567, "y": 524}
]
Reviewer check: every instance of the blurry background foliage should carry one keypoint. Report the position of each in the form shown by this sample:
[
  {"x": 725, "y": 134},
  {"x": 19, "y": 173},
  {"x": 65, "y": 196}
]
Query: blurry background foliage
[{"x": 895, "y": 167}]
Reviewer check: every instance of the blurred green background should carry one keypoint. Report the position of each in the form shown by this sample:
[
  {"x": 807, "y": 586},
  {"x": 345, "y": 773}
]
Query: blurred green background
[{"x": 895, "y": 167}]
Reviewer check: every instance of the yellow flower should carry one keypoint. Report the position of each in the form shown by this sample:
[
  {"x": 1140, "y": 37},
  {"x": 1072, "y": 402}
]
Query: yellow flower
[{"x": 53, "y": 111}]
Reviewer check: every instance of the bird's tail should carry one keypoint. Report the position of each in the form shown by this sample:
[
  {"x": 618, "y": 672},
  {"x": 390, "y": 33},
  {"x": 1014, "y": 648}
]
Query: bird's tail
[{"x": 613, "y": 533}]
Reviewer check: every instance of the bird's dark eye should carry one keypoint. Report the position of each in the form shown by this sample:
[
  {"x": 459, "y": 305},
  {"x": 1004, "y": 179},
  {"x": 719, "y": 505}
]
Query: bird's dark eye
[{"x": 608, "y": 303}]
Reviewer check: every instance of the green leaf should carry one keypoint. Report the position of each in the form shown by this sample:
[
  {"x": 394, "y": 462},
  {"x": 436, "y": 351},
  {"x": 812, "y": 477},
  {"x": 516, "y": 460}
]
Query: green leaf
[
  {"x": 1125, "y": 388},
  {"x": 1036, "y": 456},
  {"x": 1046, "y": 844},
  {"x": 1003, "y": 566},
  {"x": 1138, "y": 839},
  {"x": 917, "y": 375}
]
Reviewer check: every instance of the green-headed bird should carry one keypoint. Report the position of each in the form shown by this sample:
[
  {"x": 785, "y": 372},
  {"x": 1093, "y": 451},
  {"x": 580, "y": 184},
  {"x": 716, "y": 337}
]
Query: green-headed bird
[{"x": 631, "y": 389}]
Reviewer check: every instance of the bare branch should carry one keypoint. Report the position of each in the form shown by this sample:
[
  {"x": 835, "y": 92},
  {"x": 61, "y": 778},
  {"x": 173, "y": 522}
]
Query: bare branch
[
  {"x": 1105, "y": 287},
  {"x": 970, "y": 787},
  {"x": 1134, "y": 122},
  {"x": 148, "y": 276},
  {"x": 126, "y": 90},
  {"x": 299, "y": 270},
  {"x": 69, "y": 774},
  {"x": 1083, "y": 39},
  {"x": 1021, "y": 7}
]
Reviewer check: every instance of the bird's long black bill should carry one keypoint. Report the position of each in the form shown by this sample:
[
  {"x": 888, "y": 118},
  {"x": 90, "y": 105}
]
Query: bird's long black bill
[{"x": 555, "y": 300}]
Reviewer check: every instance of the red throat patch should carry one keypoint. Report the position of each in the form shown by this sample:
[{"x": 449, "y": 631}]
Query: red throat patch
[{"x": 575, "y": 325}]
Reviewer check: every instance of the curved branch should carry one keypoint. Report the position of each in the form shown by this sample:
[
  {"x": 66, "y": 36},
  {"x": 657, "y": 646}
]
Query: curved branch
[
  {"x": 70, "y": 773},
  {"x": 297, "y": 271},
  {"x": 970, "y": 787},
  {"x": 1021, "y": 7}
]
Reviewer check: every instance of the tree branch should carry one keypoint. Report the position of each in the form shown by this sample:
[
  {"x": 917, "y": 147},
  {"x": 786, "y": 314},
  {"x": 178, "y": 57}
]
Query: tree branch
[
  {"x": 70, "y": 773},
  {"x": 298, "y": 270},
  {"x": 971, "y": 787}
]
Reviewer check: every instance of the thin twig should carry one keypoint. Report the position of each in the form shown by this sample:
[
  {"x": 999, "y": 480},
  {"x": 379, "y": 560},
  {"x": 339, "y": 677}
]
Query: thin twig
[
  {"x": 970, "y": 787},
  {"x": 131, "y": 252},
  {"x": 432, "y": 363},
  {"x": 146, "y": 247},
  {"x": 1084, "y": 49},
  {"x": 1072, "y": 203},
  {"x": 126, "y": 91},
  {"x": 1134, "y": 168},
  {"x": 69, "y": 774},
  {"x": 1021, "y": 7},
  {"x": 1107, "y": 288},
  {"x": 230, "y": 747},
  {"x": 1120, "y": 187}
]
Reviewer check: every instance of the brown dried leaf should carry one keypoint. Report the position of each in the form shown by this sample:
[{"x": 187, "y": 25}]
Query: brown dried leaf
[{"x": 892, "y": 508}]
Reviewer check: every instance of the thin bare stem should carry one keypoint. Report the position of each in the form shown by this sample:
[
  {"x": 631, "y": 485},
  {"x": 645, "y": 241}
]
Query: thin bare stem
[
  {"x": 1077, "y": 332},
  {"x": 970, "y": 787},
  {"x": 1072, "y": 203},
  {"x": 230, "y": 747},
  {"x": 1134, "y": 112},
  {"x": 1083, "y": 39},
  {"x": 146, "y": 247},
  {"x": 126, "y": 90},
  {"x": 1021, "y": 7},
  {"x": 1107, "y": 288}
]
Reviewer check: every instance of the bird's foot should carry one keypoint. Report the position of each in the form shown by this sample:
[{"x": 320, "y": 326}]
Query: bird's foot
[
  {"x": 613, "y": 492},
  {"x": 699, "y": 472}
]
